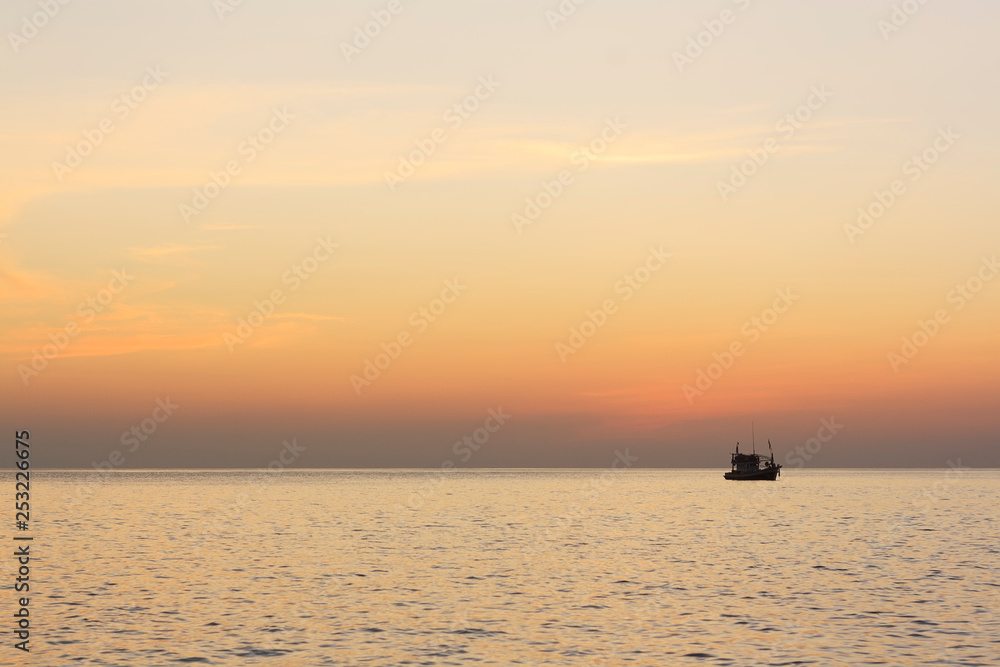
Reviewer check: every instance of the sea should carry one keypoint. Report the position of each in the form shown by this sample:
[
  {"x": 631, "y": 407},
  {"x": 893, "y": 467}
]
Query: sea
[{"x": 511, "y": 567}]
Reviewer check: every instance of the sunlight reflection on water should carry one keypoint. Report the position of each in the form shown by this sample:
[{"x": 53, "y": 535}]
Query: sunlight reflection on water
[{"x": 654, "y": 567}]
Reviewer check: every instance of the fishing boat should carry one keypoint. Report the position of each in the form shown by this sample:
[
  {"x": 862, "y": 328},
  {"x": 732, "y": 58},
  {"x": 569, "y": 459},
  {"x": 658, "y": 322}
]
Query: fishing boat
[{"x": 748, "y": 466}]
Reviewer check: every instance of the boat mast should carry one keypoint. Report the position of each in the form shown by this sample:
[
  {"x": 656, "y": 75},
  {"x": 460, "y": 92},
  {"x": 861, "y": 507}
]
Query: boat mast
[{"x": 753, "y": 442}]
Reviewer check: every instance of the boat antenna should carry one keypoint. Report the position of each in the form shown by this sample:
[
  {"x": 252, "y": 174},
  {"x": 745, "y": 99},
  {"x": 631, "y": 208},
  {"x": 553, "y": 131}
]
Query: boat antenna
[{"x": 752, "y": 439}]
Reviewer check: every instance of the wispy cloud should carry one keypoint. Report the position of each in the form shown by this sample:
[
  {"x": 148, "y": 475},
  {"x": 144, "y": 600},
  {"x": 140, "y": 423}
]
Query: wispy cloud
[
  {"x": 229, "y": 227},
  {"x": 310, "y": 316},
  {"x": 166, "y": 250}
]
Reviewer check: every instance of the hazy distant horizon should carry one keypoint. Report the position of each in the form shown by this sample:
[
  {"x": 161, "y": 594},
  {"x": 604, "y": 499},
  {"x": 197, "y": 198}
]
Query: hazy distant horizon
[{"x": 474, "y": 469}]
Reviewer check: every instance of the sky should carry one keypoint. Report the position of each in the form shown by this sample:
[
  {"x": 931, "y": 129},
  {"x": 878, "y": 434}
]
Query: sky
[{"x": 517, "y": 233}]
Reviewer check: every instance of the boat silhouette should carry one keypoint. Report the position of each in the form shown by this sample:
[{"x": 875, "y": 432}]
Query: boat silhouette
[{"x": 748, "y": 466}]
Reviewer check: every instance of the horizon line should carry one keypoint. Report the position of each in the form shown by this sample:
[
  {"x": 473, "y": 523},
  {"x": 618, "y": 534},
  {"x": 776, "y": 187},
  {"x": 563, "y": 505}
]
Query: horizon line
[{"x": 474, "y": 468}]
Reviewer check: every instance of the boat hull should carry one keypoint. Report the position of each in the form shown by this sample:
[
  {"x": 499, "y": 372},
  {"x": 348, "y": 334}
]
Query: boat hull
[{"x": 769, "y": 474}]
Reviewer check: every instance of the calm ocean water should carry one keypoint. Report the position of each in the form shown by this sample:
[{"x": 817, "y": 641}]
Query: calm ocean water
[{"x": 565, "y": 567}]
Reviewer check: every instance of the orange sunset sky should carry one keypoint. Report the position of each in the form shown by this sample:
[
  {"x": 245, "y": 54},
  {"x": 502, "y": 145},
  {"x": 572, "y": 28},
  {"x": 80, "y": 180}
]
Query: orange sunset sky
[{"x": 569, "y": 216}]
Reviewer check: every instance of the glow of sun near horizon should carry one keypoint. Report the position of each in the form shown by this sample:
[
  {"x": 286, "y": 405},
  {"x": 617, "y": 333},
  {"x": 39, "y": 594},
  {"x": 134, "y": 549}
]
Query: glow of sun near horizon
[{"x": 577, "y": 218}]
